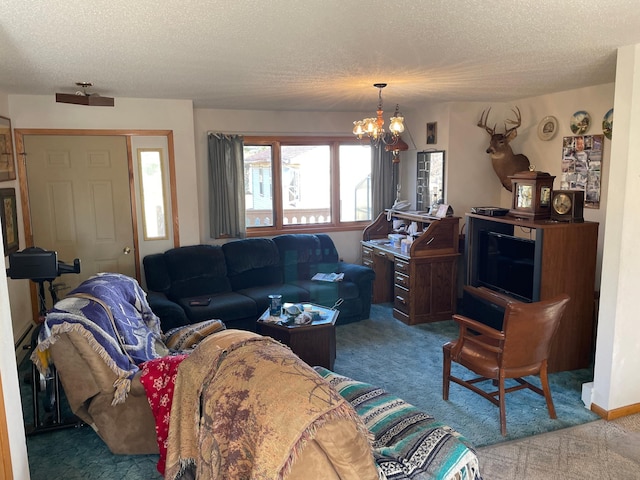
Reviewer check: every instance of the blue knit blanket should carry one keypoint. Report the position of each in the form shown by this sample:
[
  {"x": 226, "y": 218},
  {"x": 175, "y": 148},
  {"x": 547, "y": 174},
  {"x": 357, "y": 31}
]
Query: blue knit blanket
[{"x": 111, "y": 312}]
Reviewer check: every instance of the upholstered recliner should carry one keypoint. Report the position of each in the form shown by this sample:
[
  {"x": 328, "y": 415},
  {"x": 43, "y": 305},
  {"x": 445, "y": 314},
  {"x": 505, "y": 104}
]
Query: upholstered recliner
[{"x": 96, "y": 337}]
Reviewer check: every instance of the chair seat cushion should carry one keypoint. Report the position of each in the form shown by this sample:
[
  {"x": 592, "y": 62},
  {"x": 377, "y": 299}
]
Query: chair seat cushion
[{"x": 485, "y": 362}]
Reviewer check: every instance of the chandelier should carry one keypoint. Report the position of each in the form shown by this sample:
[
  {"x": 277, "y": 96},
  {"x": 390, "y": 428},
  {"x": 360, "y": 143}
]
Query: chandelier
[{"x": 374, "y": 127}]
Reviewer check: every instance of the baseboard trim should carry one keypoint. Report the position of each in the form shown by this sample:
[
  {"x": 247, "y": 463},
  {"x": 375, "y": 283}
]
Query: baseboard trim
[{"x": 617, "y": 412}]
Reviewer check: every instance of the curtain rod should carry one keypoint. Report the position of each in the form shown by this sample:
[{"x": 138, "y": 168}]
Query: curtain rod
[
  {"x": 300, "y": 134},
  {"x": 281, "y": 134}
]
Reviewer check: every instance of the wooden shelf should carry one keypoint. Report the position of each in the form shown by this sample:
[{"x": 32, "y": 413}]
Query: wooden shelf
[{"x": 565, "y": 262}]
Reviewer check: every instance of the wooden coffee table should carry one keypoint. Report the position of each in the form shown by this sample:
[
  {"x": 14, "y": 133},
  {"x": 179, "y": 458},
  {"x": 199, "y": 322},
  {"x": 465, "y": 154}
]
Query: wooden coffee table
[{"x": 314, "y": 343}]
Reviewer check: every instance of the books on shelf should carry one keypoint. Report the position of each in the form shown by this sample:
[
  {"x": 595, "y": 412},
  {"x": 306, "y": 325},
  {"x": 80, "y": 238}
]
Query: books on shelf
[{"x": 328, "y": 277}]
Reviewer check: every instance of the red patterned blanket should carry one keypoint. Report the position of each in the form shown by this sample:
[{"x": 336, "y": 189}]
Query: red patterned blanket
[{"x": 158, "y": 379}]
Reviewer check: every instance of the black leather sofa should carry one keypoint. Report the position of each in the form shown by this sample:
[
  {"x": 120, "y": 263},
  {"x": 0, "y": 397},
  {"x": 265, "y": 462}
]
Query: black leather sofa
[{"x": 239, "y": 276}]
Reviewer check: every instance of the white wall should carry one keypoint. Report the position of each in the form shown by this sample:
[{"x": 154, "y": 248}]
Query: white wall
[
  {"x": 40, "y": 111},
  {"x": 470, "y": 181},
  {"x": 465, "y": 161},
  {"x": 618, "y": 341},
  {"x": 470, "y": 177},
  {"x": 8, "y": 367}
]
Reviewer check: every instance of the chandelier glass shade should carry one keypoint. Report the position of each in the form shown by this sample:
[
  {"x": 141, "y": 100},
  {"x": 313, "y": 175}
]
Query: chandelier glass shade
[{"x": 374, "y": 127}]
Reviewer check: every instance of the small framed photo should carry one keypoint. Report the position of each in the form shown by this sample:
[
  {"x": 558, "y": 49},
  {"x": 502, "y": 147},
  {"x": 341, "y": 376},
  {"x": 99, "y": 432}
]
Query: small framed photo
[
  {"x": 9, "y": 216},
  {"x": 432, "y": 133},
  {"x": 7, "y": 168}
]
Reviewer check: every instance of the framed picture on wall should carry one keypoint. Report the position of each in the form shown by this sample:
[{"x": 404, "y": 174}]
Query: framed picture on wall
[
  {"x": 582, "y": 166},
  {"x": 432, "y": 133},
  {"x": 9, "y": 217},
  {"x": 7, "y": 167}
]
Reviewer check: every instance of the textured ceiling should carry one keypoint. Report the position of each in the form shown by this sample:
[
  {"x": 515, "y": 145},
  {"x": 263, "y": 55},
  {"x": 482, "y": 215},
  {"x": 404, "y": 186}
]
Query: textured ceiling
[{"x": 313, "y": 55}]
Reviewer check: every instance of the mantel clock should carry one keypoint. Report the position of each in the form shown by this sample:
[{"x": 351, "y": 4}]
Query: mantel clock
[
  {"x": 531, "y": 195},
  {"x": 567, "y": 205}
]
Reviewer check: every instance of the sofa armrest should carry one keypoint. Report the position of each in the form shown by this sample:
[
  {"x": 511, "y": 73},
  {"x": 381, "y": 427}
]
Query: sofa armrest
[
  {"x": 356, "y": 273},
  {"x": 170, "y": 313}
]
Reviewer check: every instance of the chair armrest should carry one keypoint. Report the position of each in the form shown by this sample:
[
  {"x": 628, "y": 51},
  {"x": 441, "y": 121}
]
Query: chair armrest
[
  {"x": 481, "y": 328},
  {"x": 490, "y": 296}
]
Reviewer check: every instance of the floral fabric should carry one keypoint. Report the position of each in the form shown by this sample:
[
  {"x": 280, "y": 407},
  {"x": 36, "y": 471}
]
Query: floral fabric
[{"x": 158, "y": 379}]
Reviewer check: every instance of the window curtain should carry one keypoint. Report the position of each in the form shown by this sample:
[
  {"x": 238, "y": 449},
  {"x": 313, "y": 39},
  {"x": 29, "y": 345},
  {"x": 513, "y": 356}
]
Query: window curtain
[
  {"x": 226, "y": 186},
  {"x": 384, "y": 180}
]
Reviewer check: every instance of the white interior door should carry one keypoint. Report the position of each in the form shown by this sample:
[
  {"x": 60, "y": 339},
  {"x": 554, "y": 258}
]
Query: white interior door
[{"x": 80, "y": 202}]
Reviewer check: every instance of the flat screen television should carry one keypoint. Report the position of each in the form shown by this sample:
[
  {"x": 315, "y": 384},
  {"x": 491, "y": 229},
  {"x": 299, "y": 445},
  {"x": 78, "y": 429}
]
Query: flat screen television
[{"x": 506, "y": 264}]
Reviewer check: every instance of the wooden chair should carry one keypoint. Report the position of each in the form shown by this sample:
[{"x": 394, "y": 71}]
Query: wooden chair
[{"x": 520, "y": 349}]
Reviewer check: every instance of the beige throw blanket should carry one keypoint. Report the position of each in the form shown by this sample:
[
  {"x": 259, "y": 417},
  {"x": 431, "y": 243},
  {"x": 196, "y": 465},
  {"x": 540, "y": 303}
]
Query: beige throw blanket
[{"x": 244, "y": 407}]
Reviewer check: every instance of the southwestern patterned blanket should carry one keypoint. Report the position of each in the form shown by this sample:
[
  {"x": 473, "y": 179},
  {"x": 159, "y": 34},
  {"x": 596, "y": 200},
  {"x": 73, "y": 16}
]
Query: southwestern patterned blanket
[{"x": 409, "y": 444}]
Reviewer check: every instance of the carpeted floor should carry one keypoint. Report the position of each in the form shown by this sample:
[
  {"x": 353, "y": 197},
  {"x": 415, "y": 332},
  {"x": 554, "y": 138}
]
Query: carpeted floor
[
  {"x": 406, "y": 360},
  {"x": 597, "y": 450}
]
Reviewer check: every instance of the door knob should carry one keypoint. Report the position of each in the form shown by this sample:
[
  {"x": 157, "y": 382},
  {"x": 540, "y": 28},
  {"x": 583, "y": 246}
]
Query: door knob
[{"x": 126, "y": 250}]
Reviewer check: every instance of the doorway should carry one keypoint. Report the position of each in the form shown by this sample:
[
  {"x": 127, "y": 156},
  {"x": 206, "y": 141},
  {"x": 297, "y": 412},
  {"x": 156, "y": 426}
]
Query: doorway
[
  {"x": 80, "y": 202},
  {"x": 100, "y": 197}
]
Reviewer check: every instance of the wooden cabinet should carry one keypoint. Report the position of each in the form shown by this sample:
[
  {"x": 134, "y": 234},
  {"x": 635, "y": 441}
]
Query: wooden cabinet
[
  {"x": 564, "y": 262},
  {"x": 420, "y": 282}
]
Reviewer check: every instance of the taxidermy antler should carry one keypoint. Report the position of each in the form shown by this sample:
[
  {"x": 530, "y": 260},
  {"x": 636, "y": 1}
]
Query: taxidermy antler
[{"x": 505, "y": 162}]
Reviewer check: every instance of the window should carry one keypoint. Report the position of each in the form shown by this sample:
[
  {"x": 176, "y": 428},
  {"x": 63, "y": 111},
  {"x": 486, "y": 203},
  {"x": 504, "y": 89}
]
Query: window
[
  {"x": 151, "y": 171},
  {"x": 310, "y": 183}
]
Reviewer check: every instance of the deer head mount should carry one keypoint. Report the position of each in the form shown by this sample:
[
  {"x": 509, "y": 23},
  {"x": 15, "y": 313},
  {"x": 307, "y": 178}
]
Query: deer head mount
[{"x": 505, "y": 162}]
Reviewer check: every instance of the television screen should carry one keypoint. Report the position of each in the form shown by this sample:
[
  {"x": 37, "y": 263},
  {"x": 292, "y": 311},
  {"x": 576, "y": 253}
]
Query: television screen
[{"x": 506, "y": 264}]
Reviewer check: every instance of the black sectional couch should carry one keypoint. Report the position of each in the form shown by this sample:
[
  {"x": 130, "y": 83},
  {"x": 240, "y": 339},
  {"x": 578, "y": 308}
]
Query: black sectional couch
[{"x": 239, "y": 275}]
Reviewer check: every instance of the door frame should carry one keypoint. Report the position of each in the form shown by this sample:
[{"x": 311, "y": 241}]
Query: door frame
[
  {"x": 19, "y": 134},
  {"x": 6, "y": 471}
]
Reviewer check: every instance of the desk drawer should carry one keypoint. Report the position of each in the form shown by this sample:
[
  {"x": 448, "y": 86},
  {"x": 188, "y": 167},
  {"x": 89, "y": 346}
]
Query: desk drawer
[
  {"x": 401, "y": 280},
  {"x": 383, "y": 254},
  {"x": 401, "y": 299},
  {"x": 402, "y": 266},
  {"x": 367, "y": 253}
]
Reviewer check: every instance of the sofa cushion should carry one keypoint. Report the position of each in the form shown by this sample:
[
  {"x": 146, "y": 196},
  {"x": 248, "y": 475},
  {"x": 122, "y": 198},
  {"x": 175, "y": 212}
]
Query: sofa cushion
[
  {"x": 327, "y": 248},
  {"x": 226, "y": 306},
  {"x": 327, "y": 293},
  {"x": 260, "y": 295},
  {"x": 155, "y": 272},
  {"x": 300, "y": 255},
  {"x": 196, "y": 270},
  {"x": 252, "y": 262}
]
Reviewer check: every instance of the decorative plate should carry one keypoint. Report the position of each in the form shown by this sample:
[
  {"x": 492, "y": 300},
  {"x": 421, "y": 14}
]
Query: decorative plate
[
  {"x": 547, "y": 128},
  {"x": 580, "y": 122},
  {"x": 607, "y": 124}
]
